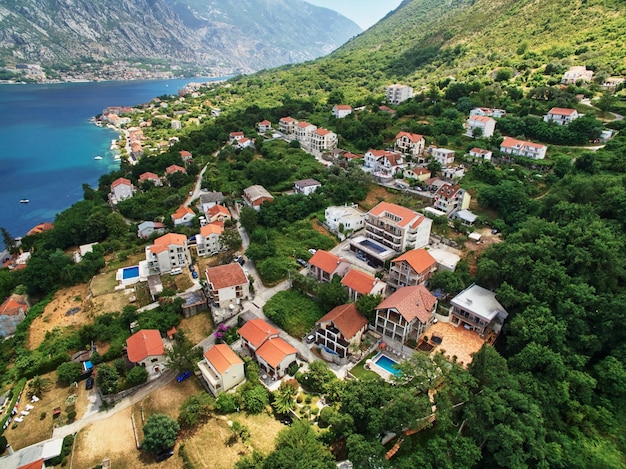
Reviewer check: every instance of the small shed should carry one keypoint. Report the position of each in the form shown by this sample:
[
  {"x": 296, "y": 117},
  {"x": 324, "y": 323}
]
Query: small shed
[{"x": 475, "y": 236}]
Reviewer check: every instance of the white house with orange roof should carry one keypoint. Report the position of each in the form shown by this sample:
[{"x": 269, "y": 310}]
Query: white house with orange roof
[
  {"x": 275, "y": 356},
  {"x": 218, "y": 213},
  {"x": 168, "y": 252},
  {"x": 321, "y": 141},
  {"x": 373, "y": 159},
  {"x": 287, "y": 125},
  {"x": 172, "y": 169},
  {"x": 228, "y": 285},
  {"x": 264, "y": 126},
  {"x": 244, "y": 142},
  {"x": 210, "y": 199},
  {"x": 325, "y": 265},
  {"x": 480, "y": 154},
  {"x": 185, "y": 155},
  {"x": 183, "y": 216},
  {"x": 236, "y": 136},
  {"x": 222, "y": 369},
  {"x": 254, "y": 196},
  {"x": 256, "y": 331},
  {"x": 405, "y": 314},
  {"x": 412, "y": 268},
  {"x": 360, "y": 283},
  {"x": 451, "y": 198},
  {"x": 480, "y": 126},
  {"x": 341, "y": 110},
  {"x": 208, "y": 241},
  {"x": 121, "y": 189},
  {"x": 338, "y": 330},
  {"x": 561, "y": 115},
  {"x": 145, "y": 348},
  {"x": 303, "y": 130},
  {"x": 151, "y": 177},
  {"x": 397, "y": 227},
  {"x": 532, "y": 150},
  {"x": 409, "y": 143}
]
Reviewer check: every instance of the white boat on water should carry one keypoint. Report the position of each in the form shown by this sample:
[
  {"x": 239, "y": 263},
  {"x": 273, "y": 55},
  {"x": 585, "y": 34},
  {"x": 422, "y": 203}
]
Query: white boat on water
[
  {"x": 97, "y": 157},
  {"x": 24, "y": 201}
]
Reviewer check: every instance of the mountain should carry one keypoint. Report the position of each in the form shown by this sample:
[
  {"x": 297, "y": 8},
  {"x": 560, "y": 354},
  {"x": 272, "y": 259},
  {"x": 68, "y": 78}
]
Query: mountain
[{"x": 240, "y": 35}]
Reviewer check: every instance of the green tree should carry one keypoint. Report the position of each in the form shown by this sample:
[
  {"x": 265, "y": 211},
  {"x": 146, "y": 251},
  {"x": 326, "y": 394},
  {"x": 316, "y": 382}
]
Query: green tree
[
  {"x": 319, "y": 377},
  {"x": 38, "y": 385},
  {"x": 284, "y": 397},
  {"x": 367, "y": 304},
  {"x": 298, "y": 446},
  {"x": 196, "y": 409},
  {"x": 136, "y": 376},
  {"x": 183, "y": 355},
  {"x": 9, "y": 241},
  {"x": 255, "y": 399},
  {"x": 231, "y": 239},
  {"x": 226, "y": 403},
  {"x": 249, "y": 219},
  {"x": 159, "y": 433},
  {"x": 107, "y": 378},
  {"x": 69, "y": 372},
  {"x": 331, "y": 294}
]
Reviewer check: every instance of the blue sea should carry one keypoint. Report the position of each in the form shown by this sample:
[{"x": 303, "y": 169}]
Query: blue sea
[{"x": 48, "y": 144}]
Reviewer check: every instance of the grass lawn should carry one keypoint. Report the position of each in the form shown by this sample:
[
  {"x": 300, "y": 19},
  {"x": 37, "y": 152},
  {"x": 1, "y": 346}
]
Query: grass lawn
[
  {"x": 359, "y": 371},
  {"x": 104, "y": 283},
  {"x": 293, "y": 312},
  {"x": 196, "y": 327}
]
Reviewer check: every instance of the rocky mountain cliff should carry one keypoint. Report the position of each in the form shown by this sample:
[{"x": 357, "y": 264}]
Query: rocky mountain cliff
[{"x": 241, "y": 35}]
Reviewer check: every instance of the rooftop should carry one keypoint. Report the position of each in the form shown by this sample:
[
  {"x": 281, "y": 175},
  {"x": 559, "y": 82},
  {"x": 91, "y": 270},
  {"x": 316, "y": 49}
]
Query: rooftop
[
  {"x": 419, "y": 260},
  {"x": 347, "y": 319},
  {"x": 257, "y": 331},
  {"x": 143, "y": 344},
  {"x": 359, "y": 281},
  {"x": 222, "y": 357},
  {"x": 275, "y": 350},
  {"x": 479, "y": 301},
  {"x": 225, "y": 276},
  {"x": 411, "y": 302}
]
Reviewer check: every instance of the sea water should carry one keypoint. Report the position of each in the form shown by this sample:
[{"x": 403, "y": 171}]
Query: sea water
[{"x": 48, "y": 144}]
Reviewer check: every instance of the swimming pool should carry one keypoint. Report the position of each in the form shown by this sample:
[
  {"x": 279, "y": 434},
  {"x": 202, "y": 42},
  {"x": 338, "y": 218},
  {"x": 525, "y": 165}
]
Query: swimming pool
[
  {"x": 387, "y": 364},
  {"x": 130, "y": 272},
  {"x": 379, "y": 248}
]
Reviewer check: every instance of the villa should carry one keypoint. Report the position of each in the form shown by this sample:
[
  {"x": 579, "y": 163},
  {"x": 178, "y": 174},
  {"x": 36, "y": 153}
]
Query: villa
[
  {"x": 561, "y": 116},
  {"x": 342, "y": 110},
  {"x": 208, "y": 241},
  {"x": 145, "y": 348},
  {"x": 172, "y": 169},
  {"x": 397, "y": 227},
  {"x": 339, "y": 330},
  {"x": 121, "y": 189},
  {"x": 183, "y": 216},
  {"x": 451, "y": 198},
  {"x": 325, "y": 265},
  {"x": 480, "y": 126},
  {"x": 306, "y": 186},
  {"x": 228, "y": 285},
  {"x": 221, "y": 369},
  {"x": 360, "y": 283},
  {"x": 532, "y": 150},
  {"x": 408, "y": 143},
  {"x": 273, "y": 353},
  {"x": 254, "y": 196},
  {"x": 168, "y": 252},
  {"x": 413, "y": 267},
  {"x": 397, "y": 93},
  {"x": 476, "y": 309},
  {"x": 148, "y": 176}
]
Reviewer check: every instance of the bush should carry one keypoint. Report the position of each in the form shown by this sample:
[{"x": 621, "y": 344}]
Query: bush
[
  {"x": 71, "y": 416},
  {"x": 226, "y": 403},
  {"x": 136, "y": 376},
  {"x": 69, "y": 372}
]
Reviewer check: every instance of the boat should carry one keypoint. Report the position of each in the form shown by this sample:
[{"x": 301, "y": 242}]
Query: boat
[
  {"x": 24, "y": 201},
  {"x": 97, "y": 157}
]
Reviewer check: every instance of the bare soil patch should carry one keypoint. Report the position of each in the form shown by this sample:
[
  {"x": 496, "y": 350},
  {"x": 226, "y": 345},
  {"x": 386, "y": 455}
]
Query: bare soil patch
[
  {"x": 376, "y": 195},
  {"x": 317, "y": 226},
  {"x": 196, "y": 327}
]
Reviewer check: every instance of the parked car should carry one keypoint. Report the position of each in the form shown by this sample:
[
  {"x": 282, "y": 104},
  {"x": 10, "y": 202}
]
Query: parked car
[
  {"x": 194, "y": 274},
  {"x": 89, "y": 383},
  {"x": 183, "y": 376},
  {"x": 302, "y": 262},
  {"x": 163, "y": 455},
  {"x": 310, "y": 338},
  {"x": 312, "y": 251},
  {"x": 239, "y": 260}
]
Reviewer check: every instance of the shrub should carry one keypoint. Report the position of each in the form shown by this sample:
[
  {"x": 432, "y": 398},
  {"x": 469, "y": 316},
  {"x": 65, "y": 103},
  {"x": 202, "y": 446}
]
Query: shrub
[{"x": 226, "y": 403}]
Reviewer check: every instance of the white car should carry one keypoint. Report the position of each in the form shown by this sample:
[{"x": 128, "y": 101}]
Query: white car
[{"x": 312, "y": 251}]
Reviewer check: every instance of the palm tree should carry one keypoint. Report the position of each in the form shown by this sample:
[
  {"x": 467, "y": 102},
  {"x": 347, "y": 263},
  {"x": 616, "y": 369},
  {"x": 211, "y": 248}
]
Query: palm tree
[
  {"x": 284, "y": 398},
  {"x": 38, "y": 386}
]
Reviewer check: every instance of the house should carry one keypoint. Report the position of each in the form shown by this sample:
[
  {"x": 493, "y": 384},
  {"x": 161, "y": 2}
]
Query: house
[
  {"x": 208, "y": 241},
  {"x": 561, "y": 115},
  {"x": 480, "y": 154},
  {"x": 391, "y": 164},
  {"x": 12, "y": 312},
  {"x": 324, "y": 265},
  {"x": 172, "y": 169},
  {"x": 121, "y": 189},
  {"x": 221, "y": 369},
  {"x": 321, "y": 141},
  {"x": 532, "y": 150},
  {"x": 342, "y": 110},
  {"x": 218, "y": 213},
  {"x": 488, "y": 112},
  {"x": 340, "y": 329},
  {"x": 185, "y": 155},
  {"x": 146, "y": 228},
  {"x": 254, "y": 196},
  {"x": 227, "y": 285},
  {"x": 413, "y": 267},
  {"x": 287, "y": 125},
  {"x": 467, "y": 218},
  {"x": 306, "y": 186},
  {"x": 344, "y": 219},
  {"x": 145, "y": 348},
  {"x": 176, "y": 124},
  {"x": 360, "y": 283},
  {"x": 410, "y": 144},
  {"x": 444, "y": 156},
  {"x": 406, "y": 314},
  {"x": 455, "y": 172},
  {"x": 373, "y": 157},
  {"x": 210, "y": 199},
  {"x": 451, "y": 198},
  {"x": 245, "y": 143},
  {"x": 183, "y": 216},
  {"x": 236, "y": 136},
  {"x": 264, "y": 126},
  {"x": 480, "y": 126},
  {"x": 275, "y": 356},
  {"x": 397, "y": 227},
  {"x": 419, "y": 173},
  {"x": 476, "y": 309},
  {"x": 40, "y": 228},
  {"x": 575, "y": 74},
  {"x": 148, "y": 176},
  {"x": 303, "y": 130},
  {"x": 397, "y": 93},
  {"x": 256, "y": 331},
  {"x": 168, "y": 252}
]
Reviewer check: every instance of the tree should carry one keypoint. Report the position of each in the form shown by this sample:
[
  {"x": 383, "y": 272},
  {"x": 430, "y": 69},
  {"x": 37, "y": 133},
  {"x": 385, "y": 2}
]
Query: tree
[
  {"x": 284, "y": 397},
  {"x": 136, "y": 376},
  {"x": 38, "y": 386},
  {"x": 197, "y": 409},
  {"x": 238, "y": 432},
  {"x": 331, "y": 294},
  {"x": 606, "y": 101},
  {"x": 9, "y": 241},
  {"x": 184, "y": 355},
  {"x": 249, "y": 219},
  {"x": 366, "y": 454},
  {"x": 226, "y": 403},
  {"x": 107, "y": 378},
  {"x": 159, "y": 433},
  {"x": 298, "y": 446},
  {"x": 255, "y": 399},
  {"x": 434, "y": 167},
  {"x": 69, "y": 372},
  {"x": 231, "y": 239},
  {"x": 319, "y": 377},
  {"x": 367, "y": 304}
]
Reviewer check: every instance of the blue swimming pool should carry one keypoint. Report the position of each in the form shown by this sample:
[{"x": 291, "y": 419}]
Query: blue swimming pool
[
  {"x": 130, "y": 272},
  {"x": 387, "y": 364},
  {"x": 373, "y": 246}
]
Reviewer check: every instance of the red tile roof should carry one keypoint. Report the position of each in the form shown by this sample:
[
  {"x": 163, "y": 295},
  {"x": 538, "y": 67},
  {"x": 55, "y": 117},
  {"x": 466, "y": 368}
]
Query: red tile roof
[
  {"x": 509, "y": 142},
  {"x": 413, "y": 137},
  {"x": 419, "y": 260},
  {"x": 287, "y": 119},
  {"x": 411, "y": 302},
  {"x": 222, "y": 357},
  {"x": 218, "y": 209},
  {"x": 256, "y": 331},
  {"x": 228, "y": 275},
  {"x": 448, "y": 190},
  {"x": 143, "y": 344},
  {"x": 322, "y": 132},
  {"x": 562, "y": 111},
  {"x": 275, "y": 350},
  {"x": 347, "y": 319},
  {"x": 185, "y": 154},
  {"x": 481, "y": 118},
  {"x": 406, "y": 215},
  {"x": 119, "y": 182},
  {"x": 265, "y": 122},
  {"x": 171, "y": 238},
  {"x": 33, "y": 465},
  {"x": 40, "y": 228},
  {"x": 181, "y": 212},
  {"x": 343, "y": 107},
  {"x": 14, "y": 305},
  {"x": 174, "y": 169},
  {"x": 325, "y": 261},
  {"x": 148, "y": 176},
  {"x": 359, "y": 281},
  {"x": 211, "y": 228}
]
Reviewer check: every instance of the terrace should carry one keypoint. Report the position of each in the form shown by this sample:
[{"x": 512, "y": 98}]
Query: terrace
[{"x": 455, "y": 341}]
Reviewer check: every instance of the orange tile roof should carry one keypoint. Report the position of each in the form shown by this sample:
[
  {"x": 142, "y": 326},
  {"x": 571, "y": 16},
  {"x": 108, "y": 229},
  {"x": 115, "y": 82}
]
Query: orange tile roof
[
  {"x": 228, "y": 275},
  {"x": 410, "y": 136},
  {"x": 148, "y": 176},
  {"x": 236, "y": 134},
  {"x": 303, "y": 124},
  {"x": 143, "y": 344},
  {"x": 481, "y": 151},
  {"x": 562, "y": 111},
  {"x": 343, "y": 107},
  {"x": 181, "y": 212},
  {"x": 171, "y": 238},
  {"x": 411, "y": 302},
  {"x": 157, "y": 249},
  {"x": 256, "y": 331},
  {"x": 287, "y": 119},
  {"x": 325, "y": 261},
  {"x": 359, "y": 281},
  {"x": 448, "y": 190},
  {"x": 419, "y": 260},
  {"x": 40, "y": 228},
  {"x": 13, "y": 305},
  {"x": 347, "y": 319},
  {"x": 275, "y": 350},
  {"x": 322, "y": 132},
  {"x": 421, "y": 171},
  {"x": 509, "y": 142},
  {"x": 174, "y": 169},
  {"x": 120, "y": 181},
  {"x": 217, "y": 209},
  {"x": 222, "y": 357},
  {"x": 211, "y": 228},
  {"x": 406, "y": 215},
  {"x": 265, "y": 122},
  {"x": 33, "y": 465},
  {"x": 481, "y": 118},
  {"x": 184, "y": 153}
]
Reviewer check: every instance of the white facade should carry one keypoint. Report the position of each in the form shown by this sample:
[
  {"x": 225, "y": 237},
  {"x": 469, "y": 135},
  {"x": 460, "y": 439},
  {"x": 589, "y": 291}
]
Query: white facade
[
  {"x": 221, "y": 369},
  {"x": 306, "y": 186},
  {"x": 397, "y": 227},
  {"x": 561, "y": 116},
  {"x": 341, "y": 110},
  {"x": 348, "y": 216},
  {"x": 444, "y": 156},
  {"x": 521, "y": 148},
  {"x": 168, "y": 252},
  {"x": 482, "y": 126},
  {"x": 397, "y": 93}
]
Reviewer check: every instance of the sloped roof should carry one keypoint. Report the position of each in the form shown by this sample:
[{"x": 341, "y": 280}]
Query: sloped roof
[
  {"x": 171, "y": 238},
  {"x": 325, "y": 261},
  {"x": 211, "y": 228},
  {"x": 13, "y": 305},
  {"x": 307, "y": 183},
  {"x": 228, "y": 275},
  {"x": 562, "y": 111},
  {"x": 181, "y": 212},
  {"x": 256, "y": 192},
  {"x": 256, "y": 331},
  {"x": 406, "y": 215},
  {"x": 148, "y": 176},
  {"x": 411, "y": 302},
  {"x": 419, "y": 260},
  {"x": 347, "y": 319},
  {"x": 448, "y": 190},
  {"x": 343, "y": 107},
  {"x": 412, "y": 137},
  {"x": 143, "y": 344},
  {"x": 174, "y": 169},
  {"x": 217, "y": 209},
  {"x": 120, "y": 182},
  {"x": 213, "y": 196},
  {"x": 40, "y": 228},
  {"x": 359, "y": 281},
  {"x": 274, "y": 350},
  {"x": 222, "y": 357}
]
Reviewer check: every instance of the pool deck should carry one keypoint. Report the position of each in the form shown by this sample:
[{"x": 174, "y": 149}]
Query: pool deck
[
  {"x": 379, "y": 370},
  {"x": 456, "y": 341}
]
